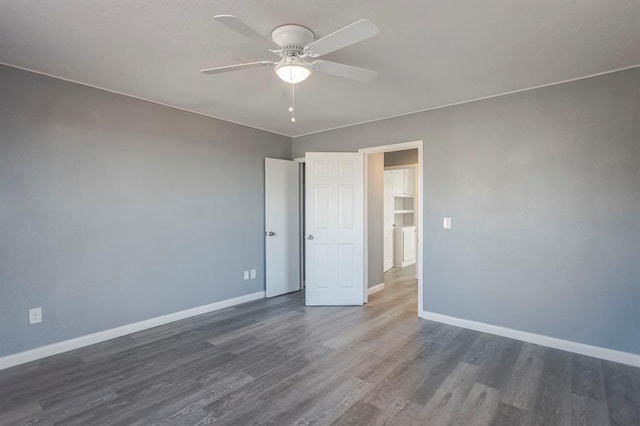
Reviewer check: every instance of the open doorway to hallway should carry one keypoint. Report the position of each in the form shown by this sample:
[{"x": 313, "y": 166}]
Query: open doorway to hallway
[
  {"x": 393, "y": 216},
  {"x": 400, "y": 209},
  {"x": 399, "y": 215}
]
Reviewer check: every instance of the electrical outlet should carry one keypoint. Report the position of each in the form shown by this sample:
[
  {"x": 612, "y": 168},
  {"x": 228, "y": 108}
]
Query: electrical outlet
[
  {"x": 246, "y": 275},
  {"x": 253, "y": 274},
  {"x": 35, "y": 315}
]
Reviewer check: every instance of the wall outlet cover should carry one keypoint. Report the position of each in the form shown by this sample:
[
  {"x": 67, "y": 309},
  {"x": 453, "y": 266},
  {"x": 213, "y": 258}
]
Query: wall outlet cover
[{"x": 35, "y": 315}]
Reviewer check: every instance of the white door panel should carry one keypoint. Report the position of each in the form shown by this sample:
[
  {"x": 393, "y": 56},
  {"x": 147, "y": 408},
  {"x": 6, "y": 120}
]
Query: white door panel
[
  {"x": 405, "y": 246},
  {"x": 387, "y": 262},
  {"x": 282, "y": 226},
  {"x": 388, "y": 199},
  {"x": 409, "y": 181},
  {"x": 388, "y": 250},
  {"x": 398, "y": 182},
  {"x": 335, "y": 228},
  {"x": 409, "y": 244}
]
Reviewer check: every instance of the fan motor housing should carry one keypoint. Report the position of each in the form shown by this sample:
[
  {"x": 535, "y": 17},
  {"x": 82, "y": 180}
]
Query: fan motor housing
[{"x": 292, "y": 37}]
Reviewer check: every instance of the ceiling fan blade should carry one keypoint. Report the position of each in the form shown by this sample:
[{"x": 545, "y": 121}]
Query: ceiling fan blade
[
  {"x": 219, "y": 70},
  {"x": 346, "y": 71},
  {"x": 240, "y": 27},
  {"x": 351, "y": 34}
]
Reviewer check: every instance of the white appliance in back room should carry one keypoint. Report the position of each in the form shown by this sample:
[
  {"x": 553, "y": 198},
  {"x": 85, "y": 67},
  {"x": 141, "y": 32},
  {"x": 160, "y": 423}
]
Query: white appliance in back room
[{"x": 399, "y": 217}]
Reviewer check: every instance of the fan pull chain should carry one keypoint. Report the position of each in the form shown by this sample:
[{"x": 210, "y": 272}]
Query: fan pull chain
[{"x": 292, "y": 108}]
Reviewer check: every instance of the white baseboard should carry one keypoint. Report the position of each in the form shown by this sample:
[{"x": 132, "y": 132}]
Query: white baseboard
[
  {"x": 375, "y": 289},
  {"x": 404, "y": 264},
  {"x": 539, "y": 339},
  {"x": 101, "y": 336}
]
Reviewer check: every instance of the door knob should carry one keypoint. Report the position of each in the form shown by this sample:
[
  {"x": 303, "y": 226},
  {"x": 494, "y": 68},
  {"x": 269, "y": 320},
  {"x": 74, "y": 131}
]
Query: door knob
[{"x": 310, "y": 237}]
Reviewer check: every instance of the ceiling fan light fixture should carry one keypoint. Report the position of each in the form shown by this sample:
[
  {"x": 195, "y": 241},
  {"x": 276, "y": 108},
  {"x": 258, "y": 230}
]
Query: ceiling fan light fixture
[{"x": 293, "y": 72}]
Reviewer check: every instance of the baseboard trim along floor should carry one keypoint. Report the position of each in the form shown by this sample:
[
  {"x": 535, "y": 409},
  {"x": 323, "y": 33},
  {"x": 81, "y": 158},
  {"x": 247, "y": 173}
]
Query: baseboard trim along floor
[
  {"x": 539, "y": 339},
  {"x": 375, "y": 289},
  {"x": 101, "y": 336}
]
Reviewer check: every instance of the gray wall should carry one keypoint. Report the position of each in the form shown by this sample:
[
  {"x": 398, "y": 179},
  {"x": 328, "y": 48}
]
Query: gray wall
[
  {"x": 115, "y": 210},
  {"x": 401, "y": 158},
  {"x": 543, "y": 188},
  {"x": 375, "y": 217}
]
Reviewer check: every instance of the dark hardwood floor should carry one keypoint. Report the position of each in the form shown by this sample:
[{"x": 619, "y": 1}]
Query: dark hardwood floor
[{"x": 277, "y": 362}]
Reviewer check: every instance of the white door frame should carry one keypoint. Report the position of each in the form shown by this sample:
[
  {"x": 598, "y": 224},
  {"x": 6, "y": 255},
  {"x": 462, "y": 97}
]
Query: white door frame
[{"x": 419, "y": 261}]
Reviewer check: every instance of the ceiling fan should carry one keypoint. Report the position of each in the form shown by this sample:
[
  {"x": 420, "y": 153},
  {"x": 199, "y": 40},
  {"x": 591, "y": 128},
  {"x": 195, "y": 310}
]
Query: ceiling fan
[{"x": 295, "y": 45}]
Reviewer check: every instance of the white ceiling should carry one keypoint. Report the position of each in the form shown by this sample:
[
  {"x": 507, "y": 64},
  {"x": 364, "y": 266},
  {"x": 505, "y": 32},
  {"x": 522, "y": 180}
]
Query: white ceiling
[{"x": 429, "y": 53}]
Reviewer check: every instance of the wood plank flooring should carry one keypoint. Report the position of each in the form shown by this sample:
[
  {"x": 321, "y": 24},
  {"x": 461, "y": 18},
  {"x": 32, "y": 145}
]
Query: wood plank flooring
[{"x": 278, "y": 362}]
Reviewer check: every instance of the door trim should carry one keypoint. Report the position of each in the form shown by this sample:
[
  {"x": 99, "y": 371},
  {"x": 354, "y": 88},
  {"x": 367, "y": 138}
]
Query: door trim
[{"x": 419, "y": 261}]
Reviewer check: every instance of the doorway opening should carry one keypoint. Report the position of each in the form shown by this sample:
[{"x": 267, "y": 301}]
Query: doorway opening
[
  {"x": 335, "y": 189},
  {"x": 393, "y": 216}
]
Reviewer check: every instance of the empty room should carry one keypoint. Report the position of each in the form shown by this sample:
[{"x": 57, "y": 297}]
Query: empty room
[{"x": 420, "y": 212}]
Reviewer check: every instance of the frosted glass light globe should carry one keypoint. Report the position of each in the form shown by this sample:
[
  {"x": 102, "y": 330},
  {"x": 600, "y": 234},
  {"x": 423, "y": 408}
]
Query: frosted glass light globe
[{"x": 293, "y": 72}]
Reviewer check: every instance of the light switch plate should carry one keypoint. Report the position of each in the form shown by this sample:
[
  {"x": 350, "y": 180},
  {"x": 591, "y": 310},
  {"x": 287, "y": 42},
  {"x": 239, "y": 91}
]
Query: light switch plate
[
  {"x": 246, "y": 275},
  {"x": 253, "y": 273},
  {"x": 446, "y": 223}
]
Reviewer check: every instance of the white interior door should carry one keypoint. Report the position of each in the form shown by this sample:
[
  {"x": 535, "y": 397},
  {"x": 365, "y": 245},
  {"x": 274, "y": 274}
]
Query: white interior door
[
  {"x": 387, "y": 262},
  {"x": 282, "y": 226},
  {"x": 334, "y": 228},
  {"x": 388, "y": 250}
]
